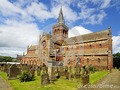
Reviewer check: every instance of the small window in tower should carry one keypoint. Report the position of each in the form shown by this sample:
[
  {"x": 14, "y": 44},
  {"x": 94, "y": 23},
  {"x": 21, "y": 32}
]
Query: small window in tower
[
  {"x": 87, "y": 60},
  {"x": 108, "y": 34},
  {"x": 98, "y": 60},
  {"x": 90, "y": 46},
  {"x": 67, "y": 48},
  {"x": 100, "y": 45}
]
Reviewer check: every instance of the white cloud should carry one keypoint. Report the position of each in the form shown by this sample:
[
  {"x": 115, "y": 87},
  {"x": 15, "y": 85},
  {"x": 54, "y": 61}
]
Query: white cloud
[
  {"x": 7, "y": 8},
  {"x": 32, "y": 10},
  {"x": 17, "y": 35},
  {"x": 96, "y": 18},
  {"x": 92, "y": 15},
  {"x": 86, "y": 12},
  {"x": 78, "y": 30},
  {"x": 39, "y": 10},
  {"x": 116, "y": 44},
  {"x": 10, "y": 51},
  {"x": 105, "y": 3}
]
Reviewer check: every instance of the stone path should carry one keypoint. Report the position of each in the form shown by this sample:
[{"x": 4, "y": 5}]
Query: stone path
[
  {"x": 4, "y": 85},
  {"x": 110, "y": 82}
]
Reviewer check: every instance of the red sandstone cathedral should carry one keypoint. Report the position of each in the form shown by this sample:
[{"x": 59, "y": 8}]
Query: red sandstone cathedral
[{"x": 88, "y": 49}]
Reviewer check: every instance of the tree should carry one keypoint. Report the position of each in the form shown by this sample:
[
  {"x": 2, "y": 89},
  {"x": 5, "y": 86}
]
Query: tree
[
  {"x": 6, "y": 59},
  {"x": 116, "y": 60}
]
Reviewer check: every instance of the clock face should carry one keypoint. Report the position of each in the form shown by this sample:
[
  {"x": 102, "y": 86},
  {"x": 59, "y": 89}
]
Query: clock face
[{"x": 44, "y": 43}]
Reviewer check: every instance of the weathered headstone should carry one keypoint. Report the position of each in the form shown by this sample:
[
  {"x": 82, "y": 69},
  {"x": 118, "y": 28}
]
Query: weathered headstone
[
  {"x": 2, "y": 67},
  {"x": 53, "y": 74},
  {"x": 70, "y": 73},
  {"x": 32, "y": 71},
  {"x": 77, "y": 70},
  {"x": 44, "y": 69},
  {"x": 6, "y": 68},
  {"x": 67, "y": 75},
  {"x": 85, "y": 79},
  {"x": 38, "y": 71},
  {"x": 14, "y": 71},
  {"x": 45, "y": 79}
]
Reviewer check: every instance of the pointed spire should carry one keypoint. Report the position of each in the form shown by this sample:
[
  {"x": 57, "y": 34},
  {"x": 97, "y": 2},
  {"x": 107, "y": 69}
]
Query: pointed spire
[{"x": 61, "y": 18}]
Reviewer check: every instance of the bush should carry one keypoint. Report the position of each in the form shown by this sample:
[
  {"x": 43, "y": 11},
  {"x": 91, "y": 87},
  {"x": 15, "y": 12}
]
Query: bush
[
  {"x": 91, "y": 69},
  {"x": 26, "y": 76}
]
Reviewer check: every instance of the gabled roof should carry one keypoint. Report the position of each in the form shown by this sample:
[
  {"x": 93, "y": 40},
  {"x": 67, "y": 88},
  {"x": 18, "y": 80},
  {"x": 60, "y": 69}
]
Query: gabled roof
[{"x": 88, "y": 37}]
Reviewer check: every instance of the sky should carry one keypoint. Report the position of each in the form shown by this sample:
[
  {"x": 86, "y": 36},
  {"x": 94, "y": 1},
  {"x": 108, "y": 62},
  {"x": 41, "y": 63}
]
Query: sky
[{"x": 22, "y": 21}]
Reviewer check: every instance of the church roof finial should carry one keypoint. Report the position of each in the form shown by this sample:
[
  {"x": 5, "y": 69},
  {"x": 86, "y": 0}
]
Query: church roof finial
[{"x": 61, "y": 18}]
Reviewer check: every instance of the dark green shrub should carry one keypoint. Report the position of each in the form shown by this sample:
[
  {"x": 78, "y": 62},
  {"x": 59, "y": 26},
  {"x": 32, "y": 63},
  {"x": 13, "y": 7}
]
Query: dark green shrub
[
  {"x": 26, "y": 76},
  {"x": 91, "y": 69}
]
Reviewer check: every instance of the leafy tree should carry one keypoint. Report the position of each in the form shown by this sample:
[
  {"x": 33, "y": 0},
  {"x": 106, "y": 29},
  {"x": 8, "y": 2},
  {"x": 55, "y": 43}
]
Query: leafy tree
[
  {"x": 116, "y": 60},
  {"x": 6, "y": 59}
]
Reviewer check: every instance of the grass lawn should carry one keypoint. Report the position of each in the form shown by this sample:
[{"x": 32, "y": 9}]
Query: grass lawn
[
  {"x": 97, "y": 76},
  {"x": 60, "y": 84}
]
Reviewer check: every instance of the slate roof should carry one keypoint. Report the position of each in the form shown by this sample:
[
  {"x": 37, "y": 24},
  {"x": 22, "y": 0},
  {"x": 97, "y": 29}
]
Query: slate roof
[{"x": 95, "y": 36}]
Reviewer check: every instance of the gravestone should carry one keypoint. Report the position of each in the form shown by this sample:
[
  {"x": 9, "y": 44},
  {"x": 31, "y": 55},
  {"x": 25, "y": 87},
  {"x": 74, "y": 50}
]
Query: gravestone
[
  {"x": 77, "y": 70},
  {"x": 53, "y": 74},
  {"x": 83, "y": 70},
  {"x": 44, "y": 69},
  {"x": 45, "y": 76},
  {"x": 70, "y": 73},
  {"x": 14, "y": 71},
  {"x": 65, "y": 70},
  {"x": 45, "y": 79},
  {"x": 85, "y": 79},
  {"x": 2, "y": 67},
  {"x": 6, "y": 68},
  {"x": 38, "y": 71},
  {"x": 67, "y": 75},
  {"x": 32, "y": 71}
]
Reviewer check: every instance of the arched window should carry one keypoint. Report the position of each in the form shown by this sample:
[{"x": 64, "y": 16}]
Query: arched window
[
  {"x": 87, "y": 60},
  {"x": 100, "y": 45},
  {"x": 98, "y": 60},
  {"x": 90, "y": 46},
  {"x": 54, "y": 31}
]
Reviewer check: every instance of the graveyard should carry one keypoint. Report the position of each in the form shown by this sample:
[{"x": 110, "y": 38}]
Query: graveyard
[{"x": 61, "y": 78}]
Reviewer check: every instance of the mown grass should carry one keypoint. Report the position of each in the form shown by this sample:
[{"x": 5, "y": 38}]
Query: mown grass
[
  {"x": 97, "y": 76},
  {"x": 60, "y": 84}
]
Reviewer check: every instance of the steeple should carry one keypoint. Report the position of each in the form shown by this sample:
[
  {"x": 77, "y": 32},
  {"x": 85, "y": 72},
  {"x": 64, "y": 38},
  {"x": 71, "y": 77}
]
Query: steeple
[
  {"x": 61, "y": 18},
  {"x": 60, "y": 30}
]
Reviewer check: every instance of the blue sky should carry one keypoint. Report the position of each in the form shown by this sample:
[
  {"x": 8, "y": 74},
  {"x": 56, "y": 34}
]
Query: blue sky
[{"x": 21, "y": 21}]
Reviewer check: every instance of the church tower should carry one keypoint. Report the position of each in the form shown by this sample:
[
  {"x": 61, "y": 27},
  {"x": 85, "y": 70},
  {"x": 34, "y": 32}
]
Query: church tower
[{"x": 60, "y": 30}]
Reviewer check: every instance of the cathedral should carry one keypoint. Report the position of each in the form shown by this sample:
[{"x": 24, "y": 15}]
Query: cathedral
[{"x": 88, "y": 49}]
